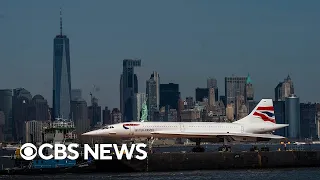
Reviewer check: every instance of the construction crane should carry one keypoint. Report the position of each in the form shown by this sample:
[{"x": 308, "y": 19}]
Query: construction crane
[
  {"x": 94, "y": 89},
  {"x": 91, "y": 97},
  {"x": 93, "y": 106}
]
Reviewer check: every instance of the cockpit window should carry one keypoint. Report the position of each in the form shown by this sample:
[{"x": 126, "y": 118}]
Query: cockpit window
[{"x": 107, "y": 127}]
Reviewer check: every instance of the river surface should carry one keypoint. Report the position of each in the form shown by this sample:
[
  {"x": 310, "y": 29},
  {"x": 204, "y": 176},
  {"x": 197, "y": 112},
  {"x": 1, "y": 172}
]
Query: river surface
[{"x": 266, "y": 174}]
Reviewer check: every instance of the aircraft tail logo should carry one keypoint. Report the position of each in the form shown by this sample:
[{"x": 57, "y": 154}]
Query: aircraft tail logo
[
  {"x": 126, "y": 126},
  {"x": 266, "y": 113},
  {"x": 263, "y": 112}
]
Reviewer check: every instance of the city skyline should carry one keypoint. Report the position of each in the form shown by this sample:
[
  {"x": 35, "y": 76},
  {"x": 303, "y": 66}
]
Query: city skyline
[{"x": 188, "y": 60}]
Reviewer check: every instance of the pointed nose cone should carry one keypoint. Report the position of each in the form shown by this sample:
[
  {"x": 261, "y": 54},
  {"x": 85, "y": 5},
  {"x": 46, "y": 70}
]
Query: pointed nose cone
[
  {"x": 91, "y": 133},
  {"x": 284, "y": 125}
]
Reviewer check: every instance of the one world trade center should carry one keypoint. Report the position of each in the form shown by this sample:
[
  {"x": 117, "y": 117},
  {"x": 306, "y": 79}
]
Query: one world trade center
[{"x": 61, "y": 76}]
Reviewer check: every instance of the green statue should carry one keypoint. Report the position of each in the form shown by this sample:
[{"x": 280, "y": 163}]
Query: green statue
[{"x": 144, "y": 114}]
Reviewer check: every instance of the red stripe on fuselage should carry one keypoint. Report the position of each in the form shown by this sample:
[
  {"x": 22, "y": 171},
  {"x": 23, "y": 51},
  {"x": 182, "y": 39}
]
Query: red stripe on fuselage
[
  {"x": 131, "y": 124},
  {"x": 264, "y": 117},
  {"x": 267, "y": 108}
]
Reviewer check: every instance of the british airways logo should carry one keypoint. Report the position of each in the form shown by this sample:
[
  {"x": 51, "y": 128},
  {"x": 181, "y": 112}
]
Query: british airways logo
[
  {"x": 126, "y": 126},
  {"x": 265, "y": 113},
  {"x": 270, "y": 114}
]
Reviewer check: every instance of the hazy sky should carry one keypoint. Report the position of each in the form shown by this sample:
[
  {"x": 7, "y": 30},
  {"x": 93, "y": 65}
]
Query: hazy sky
[{"x": 185, "y": 41}]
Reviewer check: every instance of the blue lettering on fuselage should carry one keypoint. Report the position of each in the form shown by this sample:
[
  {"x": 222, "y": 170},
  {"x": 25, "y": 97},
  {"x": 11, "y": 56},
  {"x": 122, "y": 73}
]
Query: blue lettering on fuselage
[{"x": 144, "y": 130}]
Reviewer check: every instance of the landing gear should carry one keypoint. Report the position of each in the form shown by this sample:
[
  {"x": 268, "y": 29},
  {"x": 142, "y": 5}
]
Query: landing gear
[
  {"x": 198, "y": 148},
  {"x": 225, "y": 147},
  {"x": 150, "y": 143}
]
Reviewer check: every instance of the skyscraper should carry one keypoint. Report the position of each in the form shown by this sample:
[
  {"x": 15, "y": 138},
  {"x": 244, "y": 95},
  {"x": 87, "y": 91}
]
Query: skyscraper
[
  {"x": 128, "y": 87},
  {"x": 6, "y": 108},
  {"x": 234, "y": 86},
  {"x": 153, "y": 94},
  {"x": 211, "y": 97},
  {"x": 318, "y": 119},
  {"x": 292, "y": 114},
  {"x": 212, "y": 83},
  {"x": 249, "y": 95},
  {"x": 280, "y": 115},
  {"x": 2, "y": 123},
  {"x": 169, "y": 95},
  {"x": 94, "y": 113},
  {"x": 20, "y": 111},
  {"x": 106, "y": 116},
  {"x": 189, "y": 103},
  {"x": 76, "y": 94},
  {"x": 38, "y": 109},
  {"x": 308, "y": 120},
  {"x": 116, "y": 116},
  {"x": 284, "y": 89},
  {"x": 61, "y": 75},
  {"x": 79, "y": 111},
  {"x": 249, "y": 92},
  {"x": 33, "y": 131},
  {"x": 201, "y": 93},
  {"x": 277, "y": 92}
]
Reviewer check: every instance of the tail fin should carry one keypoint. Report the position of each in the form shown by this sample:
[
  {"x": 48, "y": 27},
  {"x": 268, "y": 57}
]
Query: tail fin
[{"x": 263, "y": 112}]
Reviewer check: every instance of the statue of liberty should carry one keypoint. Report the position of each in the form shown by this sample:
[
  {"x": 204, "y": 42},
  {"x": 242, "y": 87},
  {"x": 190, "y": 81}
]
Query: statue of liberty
[{"x": 144, "y": 112}]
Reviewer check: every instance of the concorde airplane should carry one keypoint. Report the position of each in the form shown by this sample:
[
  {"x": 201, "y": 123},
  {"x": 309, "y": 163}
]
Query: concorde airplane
[{"x": 257, "y": 126}]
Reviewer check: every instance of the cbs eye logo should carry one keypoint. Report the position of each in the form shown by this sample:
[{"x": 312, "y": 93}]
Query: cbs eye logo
[{"x": 28, "y": 151}]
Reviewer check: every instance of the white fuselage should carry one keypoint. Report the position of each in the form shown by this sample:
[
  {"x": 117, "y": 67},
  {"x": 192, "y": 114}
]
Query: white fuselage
[{"x": 145, "y": 129}]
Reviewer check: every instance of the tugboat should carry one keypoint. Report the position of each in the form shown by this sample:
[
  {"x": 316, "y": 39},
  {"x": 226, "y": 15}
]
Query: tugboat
[
  {"x": 40, "y": 166},
  {"x": 59, "y": 131},
  {"x": 51, "y": 163}
]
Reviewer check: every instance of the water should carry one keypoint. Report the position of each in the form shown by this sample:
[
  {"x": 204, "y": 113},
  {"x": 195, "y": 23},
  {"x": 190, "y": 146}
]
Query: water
[{"x": 266, "y": 174}]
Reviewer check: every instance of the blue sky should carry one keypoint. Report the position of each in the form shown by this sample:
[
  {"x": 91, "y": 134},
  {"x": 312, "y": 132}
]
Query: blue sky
[{"x": 185, "y": 41}]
